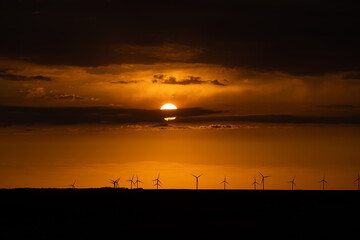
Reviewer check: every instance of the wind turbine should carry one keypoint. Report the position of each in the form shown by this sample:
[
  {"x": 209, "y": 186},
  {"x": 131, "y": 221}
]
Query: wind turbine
[
  {"x": 224, "y": 182},
  {"x": 115, "y": 182},
  {"x": 158, "y": 182},
  {"x": 254, "y": 183},
  {"x": 131, "y": 181},
  {"x": 137, "y": 181},
  {"x": 263, "y": 179},
  {"x": 72, "y": 185},
  {"x": 358, "y": 180},
  {"x": 323, "y": 182},
  {"x": 197, "y": 180},
  {"x": 292, "y": 183}
]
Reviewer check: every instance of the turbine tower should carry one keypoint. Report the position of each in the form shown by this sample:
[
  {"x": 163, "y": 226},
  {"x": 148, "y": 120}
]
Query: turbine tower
[
  {"x": 358, "y": 180},
  {"x": 323, "y": 182},
  {"x": 255, "y": 182},
  {"x": 131, "y": 181},
  {"x": 115, "y": 182},
  {"x": 263, "y": 180},
  {"x": 137, "y": 181},
  {"x": 224, "y": 182},
  {"x": 292, "y": 183},
  {"x": 158, "y": 182},
  {"x": 197, "y": 180},
  {"x": 72, "y": 185}
]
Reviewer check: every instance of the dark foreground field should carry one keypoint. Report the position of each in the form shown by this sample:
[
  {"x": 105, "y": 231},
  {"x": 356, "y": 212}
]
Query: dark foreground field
[{"x": 121, "y": 213}]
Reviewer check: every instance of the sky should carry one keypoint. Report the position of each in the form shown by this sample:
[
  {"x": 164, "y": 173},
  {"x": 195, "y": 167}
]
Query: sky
[{"x": 268, "y": 86}]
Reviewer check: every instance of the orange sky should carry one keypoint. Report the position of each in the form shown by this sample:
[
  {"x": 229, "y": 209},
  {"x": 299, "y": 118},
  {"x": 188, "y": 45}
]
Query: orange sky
[
  {"x": 132, "y": 86},
  {"x": 259, "y": 86},
  {"x": 54, "y": 157}
]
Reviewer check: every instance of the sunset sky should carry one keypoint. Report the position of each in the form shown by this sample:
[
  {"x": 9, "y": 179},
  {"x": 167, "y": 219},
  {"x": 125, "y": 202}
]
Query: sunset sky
[{"x": 270, "y": 86}]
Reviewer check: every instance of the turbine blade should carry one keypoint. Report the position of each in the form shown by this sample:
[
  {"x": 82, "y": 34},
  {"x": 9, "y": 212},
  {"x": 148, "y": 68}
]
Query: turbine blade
[{"x": 261, "y": 174}]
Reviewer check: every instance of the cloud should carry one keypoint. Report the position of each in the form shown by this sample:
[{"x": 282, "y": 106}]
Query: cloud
[
  {"x": 352, "y": 78},
  {"x": 35, "y": 92},
  {"x": 14, "y": 77},
  {"x": 220, "y": 126},
  {"x": 125, "y": 82},
  {"x": 281, "y": 36},
  {"x": 291, "y": 119},
  {"x": 167, "y": 51},
  {"x": 40, "y": 92},
  {"x": 217, "y": 82},
  {"x": 164, "y": 79},
  {"x": 339, "y": 106},
  {"x": 16, "y": 115}
]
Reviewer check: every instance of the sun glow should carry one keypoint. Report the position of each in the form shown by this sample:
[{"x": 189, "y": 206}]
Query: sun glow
[{"x": 168, "y": 106}]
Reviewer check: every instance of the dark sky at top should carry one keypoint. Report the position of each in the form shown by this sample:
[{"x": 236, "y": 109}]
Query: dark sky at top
[
  {"x": 244, "y": 58},
  {"x": 295, "y": 37}
]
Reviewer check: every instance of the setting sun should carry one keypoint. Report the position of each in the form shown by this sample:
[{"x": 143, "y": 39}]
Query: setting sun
[{"x": 168, "y": 106}]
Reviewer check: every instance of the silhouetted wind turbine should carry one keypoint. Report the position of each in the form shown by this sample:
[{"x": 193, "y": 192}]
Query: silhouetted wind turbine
[
  {"x": 254, "y": 183},
  {"x": 72, "y": 185},
  {"x": 224, "y": 182},
  {"x": 131, "y": 181},
  {"x": 137, "y": 181},
  {"x": 263, "y": 179},
  {"x": 158, "y": 182},
  {"x": 358, "y": 180},
  {"x": 323, "y": 182},
  {"x": 197, "y": 180},
  {"x": 292, "y": 183},
  {"x": 115, "y": 182}
]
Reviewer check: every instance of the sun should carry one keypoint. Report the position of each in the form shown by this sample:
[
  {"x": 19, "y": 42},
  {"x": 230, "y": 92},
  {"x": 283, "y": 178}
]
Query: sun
[{"x": 168, "y": 106}]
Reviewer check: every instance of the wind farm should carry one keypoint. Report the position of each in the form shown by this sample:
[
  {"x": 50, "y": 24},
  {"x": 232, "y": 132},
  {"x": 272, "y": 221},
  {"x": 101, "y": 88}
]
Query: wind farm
[
  {"x": 158, "y": 184},
  {"x": 183, "y": 119},
  {"x": 147, "y": 208}
]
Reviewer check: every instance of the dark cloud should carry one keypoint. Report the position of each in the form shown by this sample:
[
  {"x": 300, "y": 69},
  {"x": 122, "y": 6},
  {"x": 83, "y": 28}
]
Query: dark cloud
[
  {"x": 296, "y": 37},
  {"x": 216, "y": 82},
  {"x": 162, "y": 78},
  {"x": 354, "y": 119},
  {"x": 124, "y": 82},
  {"x": 339, "y": 106},
  {"x": 71, "y": 97},
  {"x": 352, "y": 76},
  {"x": 15, "y": 115},
  {"x": 220, "y": 126},
  {"x": 14, "y": 77}
]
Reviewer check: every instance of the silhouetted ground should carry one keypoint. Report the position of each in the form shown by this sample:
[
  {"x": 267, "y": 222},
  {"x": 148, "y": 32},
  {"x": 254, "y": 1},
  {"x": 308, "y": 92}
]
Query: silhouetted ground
[{"x": 120, "y": 213}]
